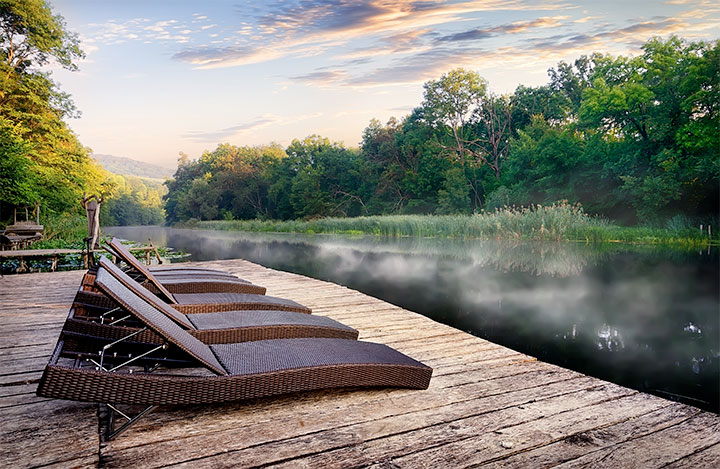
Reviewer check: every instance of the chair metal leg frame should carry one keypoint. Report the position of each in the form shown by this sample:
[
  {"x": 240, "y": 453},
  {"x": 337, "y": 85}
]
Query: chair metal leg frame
[
  {"x": 110, "y": 431},
  {"x": 102, "y": 316}
]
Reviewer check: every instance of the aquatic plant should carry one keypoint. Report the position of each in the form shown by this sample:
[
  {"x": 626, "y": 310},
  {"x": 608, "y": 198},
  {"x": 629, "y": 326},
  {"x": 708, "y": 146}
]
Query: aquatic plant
[{"x": 555, "y": 222}]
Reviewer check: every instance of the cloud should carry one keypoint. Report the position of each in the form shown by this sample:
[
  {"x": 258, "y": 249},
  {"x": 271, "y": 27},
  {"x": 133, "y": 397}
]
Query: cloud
[
  {"x": 220, "y": 135},
  {"x": 214, "y": 136},
  {"x": 212, "y": 57},
  {"x": 137, "y": 29},
  {"x": 321, "y": 78},
  {"x": 418, "y": 67},
  {"x": 315, "y": 25},
  {"x": 511, "y": 28},
  {"x": 400, "y": 43}
]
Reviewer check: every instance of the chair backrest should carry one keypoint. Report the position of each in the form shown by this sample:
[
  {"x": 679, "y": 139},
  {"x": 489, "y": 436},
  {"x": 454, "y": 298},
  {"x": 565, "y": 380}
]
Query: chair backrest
[
  {"x": 158, "y": 322},
  {"x": 144, "y": 293},
  {"x": 118, "y": 249}
]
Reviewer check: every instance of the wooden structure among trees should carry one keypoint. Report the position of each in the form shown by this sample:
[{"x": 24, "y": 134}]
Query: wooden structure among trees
[
  {"x": 487, "y": 405},
  {"x": 55, "y": 254},
  {"x": 24, "y": 230}
]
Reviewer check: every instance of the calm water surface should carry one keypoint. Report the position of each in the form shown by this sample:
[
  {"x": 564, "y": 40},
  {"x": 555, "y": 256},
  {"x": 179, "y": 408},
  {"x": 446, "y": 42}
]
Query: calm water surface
[{"x": 643, "y": 317}]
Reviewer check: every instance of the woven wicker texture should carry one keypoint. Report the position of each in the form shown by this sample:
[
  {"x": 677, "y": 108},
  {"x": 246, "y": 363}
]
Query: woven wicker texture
[
  {"x": 169, "y": 270},
  {"x": 275, "y": 355},
  {"x": 391, "y": 369},
  {"x": 157, "y": 321},
  {"x": 96, "y": 386},
  {"x": 187, "y": 272},
  {"x": 214, "y": 327},
  {"x": 139, "y": 291},
  {"x": 197, "y": 284},
  {"x": 209, "y": 302},
  {"x": 123, "y": 253},
  {"x": 241, "y": 301},
  {"x": 255, "y": 318}
]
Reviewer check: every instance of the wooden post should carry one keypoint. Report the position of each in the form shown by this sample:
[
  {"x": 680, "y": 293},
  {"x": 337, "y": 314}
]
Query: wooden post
[
  {"x": 54, "y": 263},
  {"x": 147, "y": 256},
  {"x": 157, "y": 254}
]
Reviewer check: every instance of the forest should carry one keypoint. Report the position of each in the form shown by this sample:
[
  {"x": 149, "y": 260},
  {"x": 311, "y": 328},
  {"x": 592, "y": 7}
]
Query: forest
[
  {"x": 41, "y": 159},
  {"x": 634, "y": 139}
]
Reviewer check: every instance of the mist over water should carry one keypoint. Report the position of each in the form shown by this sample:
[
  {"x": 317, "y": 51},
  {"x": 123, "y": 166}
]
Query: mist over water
[{"x": 647, "y": 318}]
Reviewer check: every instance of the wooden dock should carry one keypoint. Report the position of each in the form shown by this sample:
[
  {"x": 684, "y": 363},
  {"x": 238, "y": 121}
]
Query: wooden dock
[{"x": 487, "y": 405}]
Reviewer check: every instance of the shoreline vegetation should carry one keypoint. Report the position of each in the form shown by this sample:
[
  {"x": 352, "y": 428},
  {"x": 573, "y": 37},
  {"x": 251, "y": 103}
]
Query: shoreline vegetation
[{"x": 555, "y": 222}]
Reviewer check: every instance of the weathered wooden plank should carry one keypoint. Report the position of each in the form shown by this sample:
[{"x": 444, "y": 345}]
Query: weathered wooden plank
[
  {"x": 677, "y": 442},
  {"x": 357, "y": 445},
  {"x": 30, "y": 376},
  {"x": 707, "y": 457},
  {"x": 48, "y": 432},
  {"x": 247, "y": 433},
  {"x": 490, "y": 382},
  {"x": 579, "y": 444},
  {"x": 502, "y": 440}
]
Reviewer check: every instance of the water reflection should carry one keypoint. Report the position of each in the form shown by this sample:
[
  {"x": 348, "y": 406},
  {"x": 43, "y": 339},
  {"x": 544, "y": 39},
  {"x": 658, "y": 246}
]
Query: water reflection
[{"x": 642, "y": 317}]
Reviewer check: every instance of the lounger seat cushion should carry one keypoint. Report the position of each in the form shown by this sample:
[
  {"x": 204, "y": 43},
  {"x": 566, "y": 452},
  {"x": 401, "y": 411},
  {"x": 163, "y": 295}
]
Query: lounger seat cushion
[
  {"x": 259, "y": 318},
  {"x": 267, "y": 356}
]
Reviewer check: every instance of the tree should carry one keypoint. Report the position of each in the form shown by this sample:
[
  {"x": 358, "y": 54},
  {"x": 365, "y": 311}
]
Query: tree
[
  {"x": 663, "y": 107},
  {"x": 480, "y": 121},
  {"x": 32, "y": 109},
  {"x": 31, "y": 34},
  {"x": 329, "y": 179},
  {"x": 572, "y": 79},
  {"x": 554, "y": 106}
]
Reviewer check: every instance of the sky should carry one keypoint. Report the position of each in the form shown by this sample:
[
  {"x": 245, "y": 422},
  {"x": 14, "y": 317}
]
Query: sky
[{"x": 167, "y": 76}]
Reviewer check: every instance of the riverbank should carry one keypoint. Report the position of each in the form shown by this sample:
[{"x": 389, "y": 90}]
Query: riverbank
[{"x": 557, "y": 222}]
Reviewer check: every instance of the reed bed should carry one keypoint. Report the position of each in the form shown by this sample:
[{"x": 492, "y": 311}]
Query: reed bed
[{"x": 555, "y": 222}]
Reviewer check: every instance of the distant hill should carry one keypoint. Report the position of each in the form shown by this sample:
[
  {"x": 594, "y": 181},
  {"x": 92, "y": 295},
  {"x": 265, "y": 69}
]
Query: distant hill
[{"x": 128, "y": 166}]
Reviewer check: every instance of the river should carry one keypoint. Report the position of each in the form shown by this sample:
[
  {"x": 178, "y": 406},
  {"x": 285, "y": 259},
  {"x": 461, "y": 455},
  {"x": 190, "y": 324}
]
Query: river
[{"x": 643, "y": 317}]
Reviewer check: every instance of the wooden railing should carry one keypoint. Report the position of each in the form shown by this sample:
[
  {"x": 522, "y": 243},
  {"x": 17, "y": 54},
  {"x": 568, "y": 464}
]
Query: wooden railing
[{"x": 23, "y": 254}]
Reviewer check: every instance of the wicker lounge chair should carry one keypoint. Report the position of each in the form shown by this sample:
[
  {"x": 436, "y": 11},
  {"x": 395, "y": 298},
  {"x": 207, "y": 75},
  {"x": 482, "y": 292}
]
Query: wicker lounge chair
[
  {"x": 182, "y": 281},
  {"x": 209, "y": 302},
  {"x": 167, "y": 270},
  {"x": 218, "y": 373},
  {"x": 210, "y": 328}
]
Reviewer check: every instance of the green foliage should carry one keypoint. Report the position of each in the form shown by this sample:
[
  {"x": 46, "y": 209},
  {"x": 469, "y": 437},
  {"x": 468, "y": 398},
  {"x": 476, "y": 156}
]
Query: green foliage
[
  {"x": 17, "y": 182},
  {"x": 42, "y": 160},
  {"x": 453, "y": 198},
  {"x": 61, "y": 229},
  {"x": 555, "y": 222},
  {"x": 32, "y": 35},
  {"x": 633, "y": 139},
  {"x": 135, "y": 201}
]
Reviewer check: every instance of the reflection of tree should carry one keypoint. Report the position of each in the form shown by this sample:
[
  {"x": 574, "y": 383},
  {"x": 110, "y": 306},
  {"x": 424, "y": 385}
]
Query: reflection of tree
[
  {"x": 558, "y": 259},
  {"x": 537, "y": 258},
  {"x": 610, "y": 339}
]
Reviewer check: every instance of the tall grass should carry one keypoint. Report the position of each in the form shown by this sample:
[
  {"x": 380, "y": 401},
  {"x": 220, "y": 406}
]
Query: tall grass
[
  {"x": 559, "y": 221},
  {"x": 63, "y": 231}
]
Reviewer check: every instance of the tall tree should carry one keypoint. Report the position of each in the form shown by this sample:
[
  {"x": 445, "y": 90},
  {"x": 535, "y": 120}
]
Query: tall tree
[
  {"x": 480, "y": 121},
  {"x": 32, "y": 107}
]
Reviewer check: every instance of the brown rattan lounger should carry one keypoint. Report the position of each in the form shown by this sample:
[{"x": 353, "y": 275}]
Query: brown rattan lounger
[
  {"x": 210, "y": 328},
  {"x": 227, "y": 372},
  {"x": 183, "y": 282},
  {"x": 213, "y": 302}
]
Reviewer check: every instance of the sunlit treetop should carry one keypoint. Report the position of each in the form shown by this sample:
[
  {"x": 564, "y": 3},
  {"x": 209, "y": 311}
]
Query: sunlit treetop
[{"x": 32, "y": 35}]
